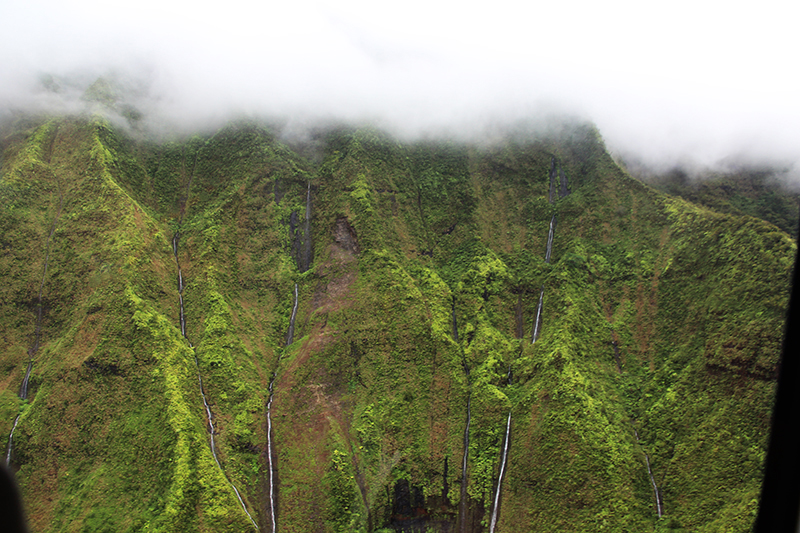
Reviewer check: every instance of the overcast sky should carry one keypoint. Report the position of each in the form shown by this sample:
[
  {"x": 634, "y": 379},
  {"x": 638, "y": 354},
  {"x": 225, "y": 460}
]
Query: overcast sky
[{"x": 670, "y": 81}]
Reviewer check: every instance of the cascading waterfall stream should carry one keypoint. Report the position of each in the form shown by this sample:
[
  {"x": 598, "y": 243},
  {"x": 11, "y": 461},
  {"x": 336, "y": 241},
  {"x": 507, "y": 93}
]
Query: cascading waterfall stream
[
  {"x": 536, "y": 324},
  {"x": 655, "y": 487},
  {"x": 304, "y": 257},
  {"x": 305, "y": 261},
  {"x": 554, "y": 173},
  {"x": 10, "y": 441},
  {"x": 656, "y": 492},
  {"x": 550, "y": 235},
  {"x": 290, "y": 333},
  {"x": 503, "y": 462},
  {"x": 209, "y": 414},
  {"x": 23, "y": 389},
  {"x": 462, "y": 504},
  {"x": 289, "y": 340}
]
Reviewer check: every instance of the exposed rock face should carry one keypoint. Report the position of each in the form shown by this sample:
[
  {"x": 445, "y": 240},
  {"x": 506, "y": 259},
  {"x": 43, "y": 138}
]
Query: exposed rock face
[{"x": 344, "y": 237}]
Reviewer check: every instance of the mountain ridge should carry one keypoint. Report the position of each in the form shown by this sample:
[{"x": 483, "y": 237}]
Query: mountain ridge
[{"x": 415, "y": 314}]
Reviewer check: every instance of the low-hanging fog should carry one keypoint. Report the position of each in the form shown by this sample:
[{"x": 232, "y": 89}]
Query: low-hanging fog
[{"x": 681, "y": 82}]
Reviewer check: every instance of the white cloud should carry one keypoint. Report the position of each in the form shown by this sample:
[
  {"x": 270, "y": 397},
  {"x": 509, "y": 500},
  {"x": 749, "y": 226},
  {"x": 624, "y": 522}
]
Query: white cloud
[{"x": 668, "y": 80}]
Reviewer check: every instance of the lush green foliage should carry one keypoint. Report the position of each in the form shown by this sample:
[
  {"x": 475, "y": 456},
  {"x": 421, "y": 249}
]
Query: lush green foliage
[{"x": 428, "y": 266}]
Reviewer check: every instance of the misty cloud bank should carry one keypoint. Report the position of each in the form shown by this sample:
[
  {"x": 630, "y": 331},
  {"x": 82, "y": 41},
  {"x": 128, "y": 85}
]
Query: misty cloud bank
[{"x": 695, "y": 84}]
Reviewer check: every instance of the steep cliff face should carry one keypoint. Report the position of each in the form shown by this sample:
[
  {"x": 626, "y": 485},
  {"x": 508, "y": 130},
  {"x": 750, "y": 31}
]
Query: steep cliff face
[{"x": 412, "y": 276}]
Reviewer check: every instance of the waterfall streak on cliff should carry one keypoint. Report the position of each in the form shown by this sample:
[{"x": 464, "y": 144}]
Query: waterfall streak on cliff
[
  {"x": 500, "y": 476},
  {"x": 564, "y": 192},
  {"x": 290, "y": 335},
  {"x": 538, "y": 317},
  {"x": 550, "y": 235},
  {"x": 462, "y": 506},
  {"x": 289, "y": 340},
  {"x": 269, "y": 456},
  {"x": 656, "y": 492},
  {"x": 653, "y": 482},
  {"x": 11, "y": 441},
  {"x": 209, "y": 415},
  {"x": 304, "y": 255},
  {"x": 37, "y": 332}
]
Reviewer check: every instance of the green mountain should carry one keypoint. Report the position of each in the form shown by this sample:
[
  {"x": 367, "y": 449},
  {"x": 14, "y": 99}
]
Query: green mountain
[
  {"x": 358, "y": 328},
  {"x": 757, "y": 192}
]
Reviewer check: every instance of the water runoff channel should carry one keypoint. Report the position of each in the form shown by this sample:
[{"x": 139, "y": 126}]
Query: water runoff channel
[
  {"x": 303, "y": 264},
  {"x": 209, "y": 414},
  {"x": 557, "y": 187},
  {"x": 37, "y": 332}
]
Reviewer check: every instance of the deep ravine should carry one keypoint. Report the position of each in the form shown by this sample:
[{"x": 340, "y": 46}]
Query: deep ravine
[{"x": 37, "y": 332}]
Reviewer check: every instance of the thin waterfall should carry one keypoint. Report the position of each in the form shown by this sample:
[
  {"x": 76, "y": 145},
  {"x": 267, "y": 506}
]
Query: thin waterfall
[
  {"x": 551, "y": 232},
  {"x": 37, "y": 332},
  {"x": 653, "y": 482},
  {"x": 656, "y": 492},
  {"x": 209, "y": 414},
  {"x": 290, "y": 334},
  {"x": 269, "y": 457},
  {"x": 564, "y": 190},
  {"x": 289, "y": 341},
  {"x": 538, "y": 321},
  {"x": 550, "y": 235},
  {"x": 462, "y": 505},
  {"x": 10, "y": 441},
  {"x": 503, "y": 461}
]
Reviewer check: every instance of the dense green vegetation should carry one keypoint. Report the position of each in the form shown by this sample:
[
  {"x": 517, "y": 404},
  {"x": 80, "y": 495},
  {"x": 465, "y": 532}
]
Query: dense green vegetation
[
  {"x": 370, "y": 401},
  {"x": 758, "y": 192}
]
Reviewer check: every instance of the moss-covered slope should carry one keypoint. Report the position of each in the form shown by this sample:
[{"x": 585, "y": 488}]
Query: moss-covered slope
[{"x": 419, "y": 271}]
